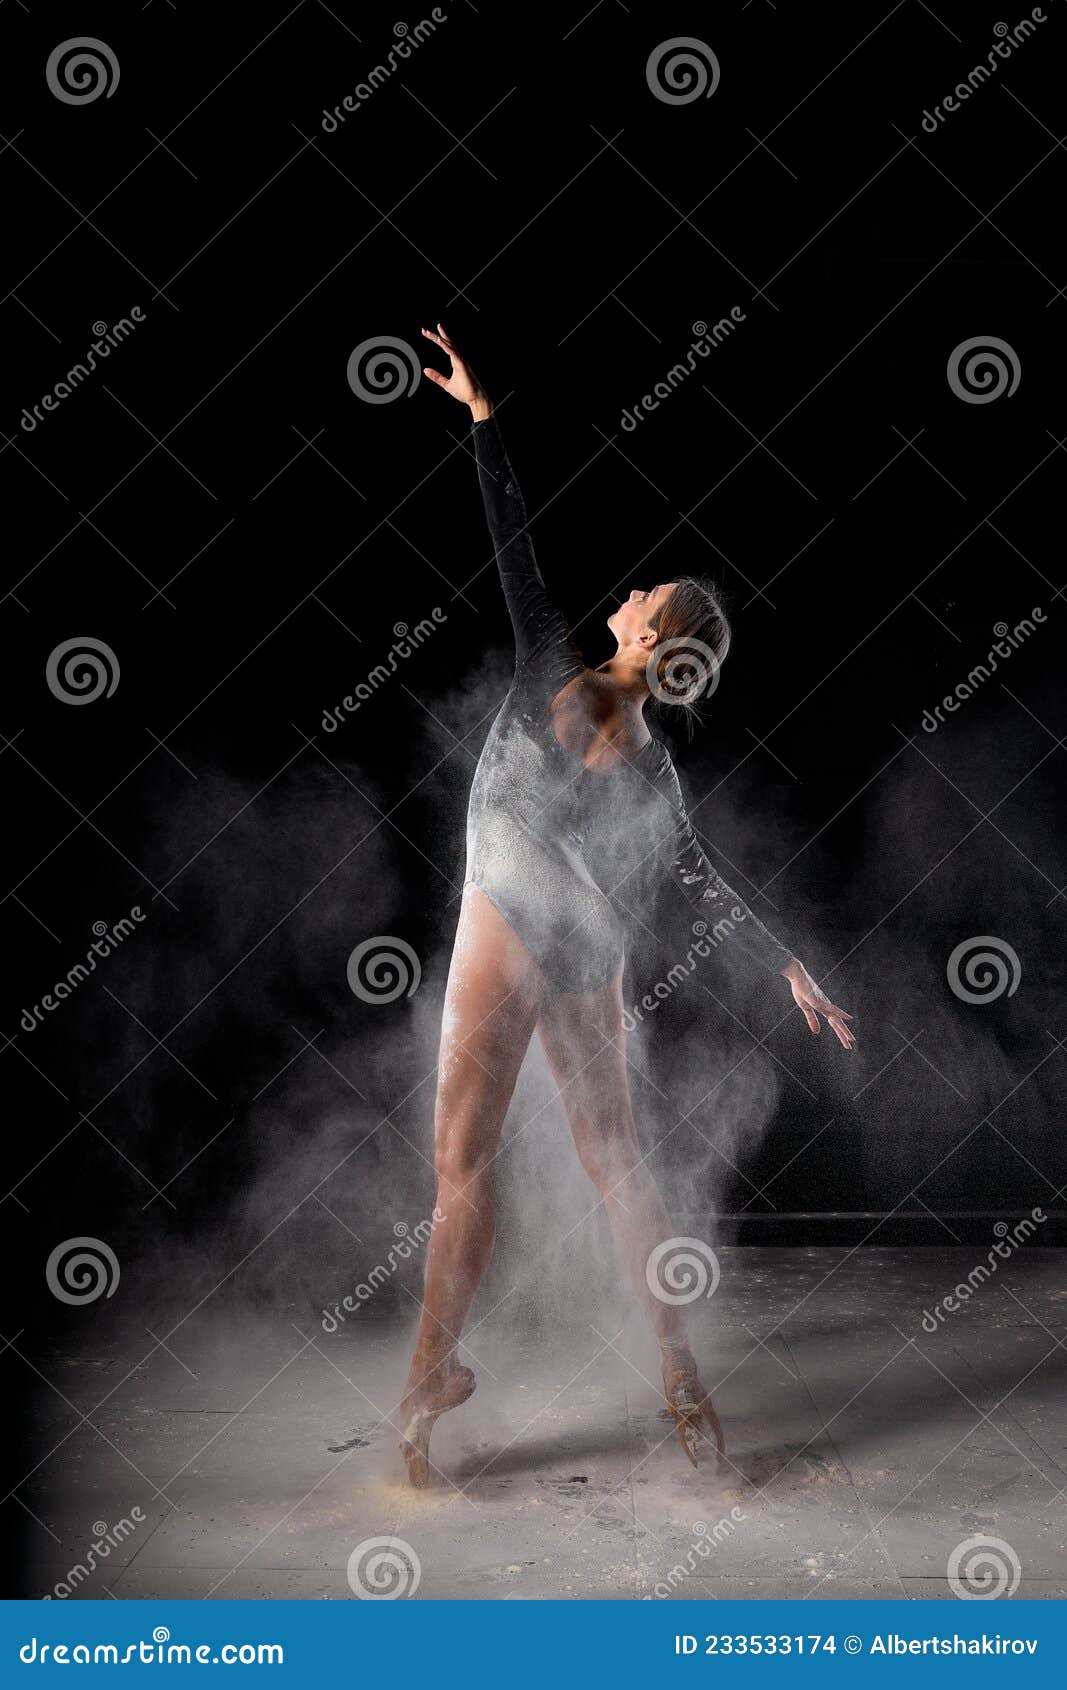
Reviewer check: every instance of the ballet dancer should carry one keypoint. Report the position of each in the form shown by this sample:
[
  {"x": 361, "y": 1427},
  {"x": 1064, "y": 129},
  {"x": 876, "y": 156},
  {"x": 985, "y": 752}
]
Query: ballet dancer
[{"x": 569, "y": 759}]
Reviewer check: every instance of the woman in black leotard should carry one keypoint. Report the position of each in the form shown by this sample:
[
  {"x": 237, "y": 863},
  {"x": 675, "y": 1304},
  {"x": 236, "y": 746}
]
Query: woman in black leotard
[{"x": 569, "y": 759}]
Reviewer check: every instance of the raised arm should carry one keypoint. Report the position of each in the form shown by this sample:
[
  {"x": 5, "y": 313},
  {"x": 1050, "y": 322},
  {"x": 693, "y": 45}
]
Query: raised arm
[
  {"x": 726, "y": 913},
  {"x": 541, "y": 632}
]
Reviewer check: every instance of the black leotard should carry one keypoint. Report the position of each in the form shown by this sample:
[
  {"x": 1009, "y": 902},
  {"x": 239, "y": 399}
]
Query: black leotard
[{"x": 533, "y": 803}]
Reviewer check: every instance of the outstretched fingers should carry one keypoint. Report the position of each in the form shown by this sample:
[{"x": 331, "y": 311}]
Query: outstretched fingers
[
  {"x": 845, "y": 1034},
  {"x": 836, "y": 1017},
  {"x": 428, "y": 370},
  {"x": 440, "y": 338},
  {"x": 437, "y": 340},
  {"x": 831, "y": 1009}
]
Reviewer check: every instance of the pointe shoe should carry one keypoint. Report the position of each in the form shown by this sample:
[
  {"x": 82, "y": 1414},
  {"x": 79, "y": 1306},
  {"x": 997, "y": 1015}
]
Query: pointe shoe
[
  {"x": 695, "y": 1420},
  {"x": 419, "y": 1411}
]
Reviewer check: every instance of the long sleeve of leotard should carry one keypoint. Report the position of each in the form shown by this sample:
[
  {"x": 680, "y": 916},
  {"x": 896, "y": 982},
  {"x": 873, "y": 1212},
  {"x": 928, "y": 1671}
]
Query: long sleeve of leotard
[
  {"x": 699, "y": 882},
  {"x": 542, "y": 636}
]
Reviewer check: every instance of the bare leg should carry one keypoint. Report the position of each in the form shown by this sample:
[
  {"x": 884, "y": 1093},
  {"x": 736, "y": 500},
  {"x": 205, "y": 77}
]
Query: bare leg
[
  {"x": 492, "y": 1002},
  {"x": 584, "y": 1040}
]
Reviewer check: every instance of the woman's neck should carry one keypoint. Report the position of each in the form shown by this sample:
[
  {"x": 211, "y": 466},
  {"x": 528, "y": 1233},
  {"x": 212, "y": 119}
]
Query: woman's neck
[{"x": 629, "y": 681}]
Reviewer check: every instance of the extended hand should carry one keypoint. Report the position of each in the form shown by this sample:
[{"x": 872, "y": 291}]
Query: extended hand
[
  {"x": 461, "y": 382},
  {"x": 812, "y": 1002}
]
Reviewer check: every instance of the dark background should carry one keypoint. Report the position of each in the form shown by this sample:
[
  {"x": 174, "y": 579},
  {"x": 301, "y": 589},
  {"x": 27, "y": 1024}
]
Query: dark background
[{"x": 245, "y": 534}]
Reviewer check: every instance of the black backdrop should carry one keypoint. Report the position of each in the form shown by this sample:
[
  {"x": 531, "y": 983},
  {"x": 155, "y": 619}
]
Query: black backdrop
[{"x": 245, "y": 534}]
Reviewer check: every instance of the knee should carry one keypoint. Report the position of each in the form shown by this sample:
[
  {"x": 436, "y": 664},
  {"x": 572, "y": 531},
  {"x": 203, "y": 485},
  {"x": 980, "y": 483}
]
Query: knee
[
  {"x": 610, "y": 1158},
  {"x": 460, "y": 1154}
]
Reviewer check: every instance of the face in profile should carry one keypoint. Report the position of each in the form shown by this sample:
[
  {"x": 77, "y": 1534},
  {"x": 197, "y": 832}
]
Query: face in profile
[{"x": 634, "y": 616}]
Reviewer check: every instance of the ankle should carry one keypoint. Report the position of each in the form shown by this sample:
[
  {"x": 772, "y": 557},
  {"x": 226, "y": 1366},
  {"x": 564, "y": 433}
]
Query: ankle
[
  {"x": 675, "y": 1350},
  {"x": 678, "y": 1361},
  {"x": 429, "y": 1373}
]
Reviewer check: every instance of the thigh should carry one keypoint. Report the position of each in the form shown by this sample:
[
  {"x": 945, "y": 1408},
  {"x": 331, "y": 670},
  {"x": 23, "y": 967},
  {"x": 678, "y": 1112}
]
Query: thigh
[
  {"x": 584, "y": 1040},
  {"x": 492, "y": 1001}
]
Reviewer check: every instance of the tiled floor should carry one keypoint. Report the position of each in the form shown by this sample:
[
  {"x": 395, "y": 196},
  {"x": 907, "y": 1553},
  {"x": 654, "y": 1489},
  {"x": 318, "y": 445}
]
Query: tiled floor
[{"x": 863, "y": 1449}]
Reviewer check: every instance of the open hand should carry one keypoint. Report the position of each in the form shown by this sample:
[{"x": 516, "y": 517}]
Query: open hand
[
  {"x": 461, "y": 382},
  {"x": 812, "y": 1002}
]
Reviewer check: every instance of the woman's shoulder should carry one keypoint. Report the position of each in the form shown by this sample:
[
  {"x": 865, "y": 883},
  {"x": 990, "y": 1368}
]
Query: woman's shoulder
[
  {"x": 655, "y": 765},
  {"x": 656, "y": 755},
  {"x": 587, "y": 721}
]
